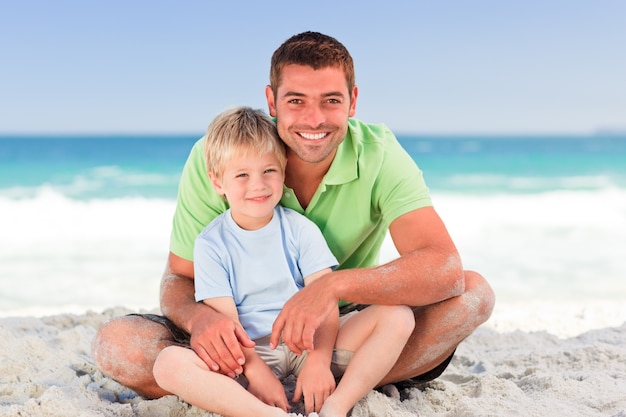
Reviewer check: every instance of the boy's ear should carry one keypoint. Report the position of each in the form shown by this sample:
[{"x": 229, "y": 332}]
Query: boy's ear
[{"x": 217, "y": 184}]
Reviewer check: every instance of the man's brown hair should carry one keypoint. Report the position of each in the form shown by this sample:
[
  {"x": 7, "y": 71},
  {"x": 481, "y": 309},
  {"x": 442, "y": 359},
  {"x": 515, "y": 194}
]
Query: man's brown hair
[{"x": 315, "y": 50}]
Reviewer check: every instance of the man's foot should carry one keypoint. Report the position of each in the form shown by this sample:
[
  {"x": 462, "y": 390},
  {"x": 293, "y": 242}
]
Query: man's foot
[
  {"x": 391, "y": 391},
  {"x": 399, "y": 390},
  {"x": 410, "y": 383}
]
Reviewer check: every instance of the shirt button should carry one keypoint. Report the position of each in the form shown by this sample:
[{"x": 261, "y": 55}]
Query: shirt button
[{"x": 287, "y": 195}]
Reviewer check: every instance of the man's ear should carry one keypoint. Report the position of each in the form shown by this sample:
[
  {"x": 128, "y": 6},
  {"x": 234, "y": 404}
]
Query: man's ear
[
  {"x": 217, "y": 184},
  {"x": 271, "y": 100},
  {"x": 355, "y": 94}
]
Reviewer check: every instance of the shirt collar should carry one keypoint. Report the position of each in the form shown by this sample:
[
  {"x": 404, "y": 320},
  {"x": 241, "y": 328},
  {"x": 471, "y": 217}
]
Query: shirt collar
[{"x": 344, "y": 166}]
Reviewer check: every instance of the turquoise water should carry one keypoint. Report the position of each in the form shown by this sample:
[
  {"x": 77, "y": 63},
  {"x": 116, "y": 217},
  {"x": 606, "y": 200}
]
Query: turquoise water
[
  {"x": 85, "y": 167},
  {"x": 526, "y": 164}
]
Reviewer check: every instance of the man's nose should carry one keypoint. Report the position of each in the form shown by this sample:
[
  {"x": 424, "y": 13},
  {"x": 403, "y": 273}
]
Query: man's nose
[{"x": 314, "y": 115}]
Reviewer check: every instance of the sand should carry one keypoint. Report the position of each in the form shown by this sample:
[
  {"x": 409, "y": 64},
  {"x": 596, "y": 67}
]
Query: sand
[{"x": 46, "y": 370}]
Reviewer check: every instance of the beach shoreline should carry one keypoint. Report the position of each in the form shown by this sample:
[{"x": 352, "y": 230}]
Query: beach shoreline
[{"x": 47, "y": 370}]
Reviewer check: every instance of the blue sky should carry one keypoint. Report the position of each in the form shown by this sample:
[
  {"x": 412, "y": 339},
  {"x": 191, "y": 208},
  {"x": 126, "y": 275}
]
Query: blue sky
[{"x": 421, "y": 66}]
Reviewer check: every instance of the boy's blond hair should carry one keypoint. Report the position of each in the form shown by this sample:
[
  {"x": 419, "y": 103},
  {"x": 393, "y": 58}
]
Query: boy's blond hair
[{"x": 241, "y": 131}]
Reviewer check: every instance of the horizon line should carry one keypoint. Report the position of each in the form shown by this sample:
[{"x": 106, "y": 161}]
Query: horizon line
[{"x": 473, "y": 133}]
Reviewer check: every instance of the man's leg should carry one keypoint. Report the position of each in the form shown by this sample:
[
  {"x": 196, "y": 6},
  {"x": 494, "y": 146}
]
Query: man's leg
[
  {"x": 439, "y": 328},
  {"x": 125, "y": 349}
]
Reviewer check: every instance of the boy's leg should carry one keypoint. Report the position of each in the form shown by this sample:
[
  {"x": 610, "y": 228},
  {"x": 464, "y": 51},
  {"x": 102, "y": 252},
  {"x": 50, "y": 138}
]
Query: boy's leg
[
  {"x": 179, "y": 370},
  {"x": 377, "y": 336}
]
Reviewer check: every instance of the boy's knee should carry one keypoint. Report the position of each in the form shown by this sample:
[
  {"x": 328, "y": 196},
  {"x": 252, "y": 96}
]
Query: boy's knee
[
  {"x": 163, "y": 365},
  {"x": 407, "y": 316},
  {"x": 400, "y": 317}
]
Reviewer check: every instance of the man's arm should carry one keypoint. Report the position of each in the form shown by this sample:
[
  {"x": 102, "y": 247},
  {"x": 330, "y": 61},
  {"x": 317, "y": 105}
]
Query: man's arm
[
  {"x": 428, "y": 270},
  {"x": 316, "y": 381},
  {"x": 215, "y": 337}
]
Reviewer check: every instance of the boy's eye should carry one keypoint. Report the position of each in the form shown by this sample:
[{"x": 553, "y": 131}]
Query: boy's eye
[
  {"x": 270, "y": 170},
  {"x": 243, "y": 174}
]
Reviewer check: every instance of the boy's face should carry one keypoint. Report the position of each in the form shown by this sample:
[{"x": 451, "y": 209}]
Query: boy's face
[
  {"x": 253, "y": 185},
  {"x": 312, "y": 108}
]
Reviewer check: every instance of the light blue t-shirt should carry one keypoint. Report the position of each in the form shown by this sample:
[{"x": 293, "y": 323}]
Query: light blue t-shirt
[{"x": 261, "y": 269}]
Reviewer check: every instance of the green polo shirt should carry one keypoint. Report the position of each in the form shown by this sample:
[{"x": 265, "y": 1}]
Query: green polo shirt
[{"x": 371, "y": 182}]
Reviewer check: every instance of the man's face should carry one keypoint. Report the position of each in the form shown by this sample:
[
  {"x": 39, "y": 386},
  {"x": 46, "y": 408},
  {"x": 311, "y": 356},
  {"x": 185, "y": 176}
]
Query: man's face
[{"x": 312, "y": 108}]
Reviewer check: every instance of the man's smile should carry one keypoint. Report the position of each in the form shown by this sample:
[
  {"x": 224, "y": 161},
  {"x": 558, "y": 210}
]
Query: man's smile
[{"x": 313, "y": 136}]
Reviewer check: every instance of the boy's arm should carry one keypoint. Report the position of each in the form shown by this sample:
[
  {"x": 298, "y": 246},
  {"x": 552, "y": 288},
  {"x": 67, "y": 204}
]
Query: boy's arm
[
  {"x": 262, "y": 382},
  {"x": 316, "y": 381}
]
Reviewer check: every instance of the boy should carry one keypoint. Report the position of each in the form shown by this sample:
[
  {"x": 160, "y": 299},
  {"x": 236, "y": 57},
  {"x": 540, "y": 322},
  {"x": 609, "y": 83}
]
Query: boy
[{"x": 247, "y": 263}]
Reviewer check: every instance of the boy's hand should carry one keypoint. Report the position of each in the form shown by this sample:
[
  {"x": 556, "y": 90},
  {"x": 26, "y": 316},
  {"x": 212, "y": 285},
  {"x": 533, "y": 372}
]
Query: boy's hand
[{"x": 315, "y": 384}]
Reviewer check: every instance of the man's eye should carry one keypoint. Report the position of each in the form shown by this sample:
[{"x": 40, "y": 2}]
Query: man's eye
[{"x": 295, "y": 101}]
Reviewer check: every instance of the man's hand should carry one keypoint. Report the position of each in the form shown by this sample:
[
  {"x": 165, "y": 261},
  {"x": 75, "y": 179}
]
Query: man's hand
[
  {"x": 301, "y": 316},
  {"x": 217, "y": 339}
]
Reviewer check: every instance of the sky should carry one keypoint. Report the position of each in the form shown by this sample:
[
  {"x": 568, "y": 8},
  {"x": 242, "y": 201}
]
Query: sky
[{"x": 444, "y": 67}]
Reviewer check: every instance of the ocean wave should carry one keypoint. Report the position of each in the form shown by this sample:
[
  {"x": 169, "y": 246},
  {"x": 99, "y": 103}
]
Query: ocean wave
[
  {"x": 50, "y": 215},
  {"x": 95, "y": 182},
  {"x": 500, "y": 183},
  {"x": 562, "y": 245}
]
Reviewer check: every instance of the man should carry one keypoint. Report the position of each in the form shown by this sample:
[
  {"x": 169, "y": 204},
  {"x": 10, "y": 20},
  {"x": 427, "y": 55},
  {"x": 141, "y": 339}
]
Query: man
[{"x": 355, "y": 182}]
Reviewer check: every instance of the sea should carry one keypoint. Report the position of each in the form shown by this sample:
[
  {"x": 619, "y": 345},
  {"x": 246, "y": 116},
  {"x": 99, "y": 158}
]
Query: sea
[{"x": 85, "y": 221}]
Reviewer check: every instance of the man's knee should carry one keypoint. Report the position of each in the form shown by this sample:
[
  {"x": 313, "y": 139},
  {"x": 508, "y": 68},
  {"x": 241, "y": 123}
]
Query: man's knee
[
  {"x": 125, "y": 347},
  {"x": 479, "y": 296},
  {"x": 109, "y": 348}
]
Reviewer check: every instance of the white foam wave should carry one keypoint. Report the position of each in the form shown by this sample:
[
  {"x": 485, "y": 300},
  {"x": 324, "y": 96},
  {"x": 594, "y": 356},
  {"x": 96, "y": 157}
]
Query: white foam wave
[
  {"x": 562, "y": 245},
  {"x": 521, "y": 183},
  {"x": 56, "y": 252},
  {"x": 96, "y": 181},
  {"x": 554, "y": 248}
]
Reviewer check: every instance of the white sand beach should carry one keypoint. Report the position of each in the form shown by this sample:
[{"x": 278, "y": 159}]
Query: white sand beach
[{"x": 46, "y": 370}]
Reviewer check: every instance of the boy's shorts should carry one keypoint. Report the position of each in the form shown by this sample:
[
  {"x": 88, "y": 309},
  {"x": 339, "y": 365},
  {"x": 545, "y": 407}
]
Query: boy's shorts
[{"x": 283, "y": 362}]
